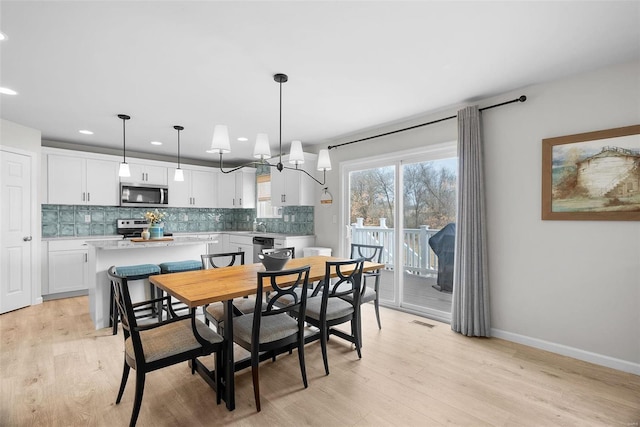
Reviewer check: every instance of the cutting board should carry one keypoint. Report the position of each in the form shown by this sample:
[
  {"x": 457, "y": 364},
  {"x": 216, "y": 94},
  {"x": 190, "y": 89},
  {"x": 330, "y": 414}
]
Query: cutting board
[{"x": 162, "y": 239}]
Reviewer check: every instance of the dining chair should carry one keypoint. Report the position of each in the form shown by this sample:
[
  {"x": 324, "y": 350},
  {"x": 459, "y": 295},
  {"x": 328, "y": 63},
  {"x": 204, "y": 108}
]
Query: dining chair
[
  {"x": 158, "y": 345},
  {"x": 271, "y": 327},
  {"x": 215, "y": 312},
  {"x": 327, "y": 307},
  {"x": 372, "y": 253}
]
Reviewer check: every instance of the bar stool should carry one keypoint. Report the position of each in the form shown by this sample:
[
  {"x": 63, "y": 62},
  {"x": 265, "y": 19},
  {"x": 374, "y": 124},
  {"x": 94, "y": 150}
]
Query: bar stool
[
  {"x": 133, "y": 272},
  {"x": 176, "y": 267}
]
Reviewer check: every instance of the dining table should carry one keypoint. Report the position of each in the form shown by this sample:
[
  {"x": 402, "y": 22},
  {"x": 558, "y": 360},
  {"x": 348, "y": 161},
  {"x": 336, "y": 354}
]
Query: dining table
[{"x": 201, "y": 287}]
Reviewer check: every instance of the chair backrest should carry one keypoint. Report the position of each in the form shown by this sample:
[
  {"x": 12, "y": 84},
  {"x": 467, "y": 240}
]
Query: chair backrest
[
  {"x": 273, "y": 250},
  {"x": 371, "y": 253},
  {"x": 126, "y": 311},
  {"x": 224, "y": 259},
  {"x": 348, "y": 280},
  {"x": 282, "y": 298}
]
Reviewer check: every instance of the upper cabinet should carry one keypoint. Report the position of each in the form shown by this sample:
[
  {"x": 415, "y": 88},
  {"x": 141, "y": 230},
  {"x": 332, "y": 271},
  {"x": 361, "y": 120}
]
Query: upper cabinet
[
  {"x": 198, "y": 190},
  {"x": 81, "y": 181},
  {"x": 148, "y": 174},
  {"x": 294, "y": 188},
  {"x": 237, "y": 189}
]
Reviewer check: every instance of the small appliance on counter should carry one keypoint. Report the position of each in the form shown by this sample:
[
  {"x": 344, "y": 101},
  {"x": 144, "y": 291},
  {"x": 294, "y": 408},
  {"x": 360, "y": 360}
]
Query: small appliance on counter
[{"x": 133, "y": 228}]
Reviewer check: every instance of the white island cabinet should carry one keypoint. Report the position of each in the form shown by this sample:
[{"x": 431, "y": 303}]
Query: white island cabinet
[{"x": 106, "y": 253}]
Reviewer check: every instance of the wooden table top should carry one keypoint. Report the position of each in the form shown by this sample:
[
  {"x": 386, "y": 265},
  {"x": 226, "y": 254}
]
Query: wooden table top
[{"x": 200, "y": 287}]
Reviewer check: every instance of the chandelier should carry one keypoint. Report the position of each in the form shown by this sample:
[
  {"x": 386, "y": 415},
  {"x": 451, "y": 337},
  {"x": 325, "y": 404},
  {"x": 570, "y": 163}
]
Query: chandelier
[{"x": 261, "y": 151}]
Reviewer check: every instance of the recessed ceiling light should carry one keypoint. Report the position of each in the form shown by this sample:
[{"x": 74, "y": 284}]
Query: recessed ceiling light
[
  {"x": 7, "y": 91},
  {"x": 156, "y": 143},
  {"x": 85, "y": 132},
  {"x": 242, "y": 138}
]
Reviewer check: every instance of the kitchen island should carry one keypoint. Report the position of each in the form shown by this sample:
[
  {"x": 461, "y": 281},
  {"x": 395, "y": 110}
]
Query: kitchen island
[{"x": 106, "y": 253}]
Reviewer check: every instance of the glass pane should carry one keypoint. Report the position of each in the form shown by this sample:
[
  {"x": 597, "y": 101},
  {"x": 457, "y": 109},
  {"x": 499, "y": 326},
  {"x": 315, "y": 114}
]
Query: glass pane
[
  {"x": 372, "y": 205},
  {"x": 429, "y": 201}
]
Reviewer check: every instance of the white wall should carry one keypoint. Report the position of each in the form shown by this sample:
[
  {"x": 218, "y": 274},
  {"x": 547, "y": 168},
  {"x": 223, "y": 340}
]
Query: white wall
[{"x": 572, "y": 287}]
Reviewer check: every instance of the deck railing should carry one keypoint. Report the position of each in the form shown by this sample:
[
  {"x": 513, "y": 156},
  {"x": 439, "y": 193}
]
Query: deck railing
[{"x": 417, "y": 256}]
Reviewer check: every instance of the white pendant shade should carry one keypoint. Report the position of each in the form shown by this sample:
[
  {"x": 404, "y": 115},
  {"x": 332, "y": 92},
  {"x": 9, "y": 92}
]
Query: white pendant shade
[
  {"x": 296, "y": 156},
  {"x": 324, "y": 162},
  {"x": 261, "y": 150},
  {"x": 124, "y": 170},
  {"x": 220, "y": 142},
  {"x": 179, "y": 175}
]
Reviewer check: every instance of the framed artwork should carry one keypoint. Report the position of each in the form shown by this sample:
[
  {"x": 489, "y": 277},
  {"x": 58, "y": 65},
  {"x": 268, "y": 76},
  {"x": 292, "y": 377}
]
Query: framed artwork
[{"x": 592, "y": 176}]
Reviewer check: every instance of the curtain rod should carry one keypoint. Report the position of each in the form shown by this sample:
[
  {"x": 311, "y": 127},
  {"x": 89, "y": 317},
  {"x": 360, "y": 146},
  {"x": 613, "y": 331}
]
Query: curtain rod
[{"x": 522, "y": 98}]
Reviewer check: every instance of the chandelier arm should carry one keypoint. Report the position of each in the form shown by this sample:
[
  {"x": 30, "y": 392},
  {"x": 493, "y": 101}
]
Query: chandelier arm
[
  {"x": 324, "y": 174},
  {"x": 252, "y": 163}
]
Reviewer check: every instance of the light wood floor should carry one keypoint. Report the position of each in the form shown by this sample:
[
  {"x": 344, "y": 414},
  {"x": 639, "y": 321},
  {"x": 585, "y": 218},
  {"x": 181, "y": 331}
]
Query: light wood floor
[{"x": 57, "y": 371}]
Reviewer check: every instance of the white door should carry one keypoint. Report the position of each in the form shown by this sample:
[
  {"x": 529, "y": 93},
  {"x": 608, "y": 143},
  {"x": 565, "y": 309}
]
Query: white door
[{"x": 15, "y": 231}]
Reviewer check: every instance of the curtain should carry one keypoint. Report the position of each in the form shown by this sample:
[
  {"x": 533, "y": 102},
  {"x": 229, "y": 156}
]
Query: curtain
[{"x": 470, "y": 301}]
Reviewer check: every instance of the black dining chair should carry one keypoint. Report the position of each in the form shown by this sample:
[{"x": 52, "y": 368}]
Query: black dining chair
[
  {"x": 158, "y": 345},
  {"x": 270, "y": 327},
  {"x": 215, "y": 312},
  {"x": 327, "y": 307},
  {"x": 372, "y": 253}
]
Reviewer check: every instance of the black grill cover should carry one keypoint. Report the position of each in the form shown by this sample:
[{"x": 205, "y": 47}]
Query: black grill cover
[{"x": 443, "y": 243}]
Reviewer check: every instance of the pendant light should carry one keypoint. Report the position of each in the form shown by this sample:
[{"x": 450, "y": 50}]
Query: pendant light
[
  {"x": 178, "y": 176},
  {"x": 124, "y": 171},
  {"x": 220, "y": 145}
]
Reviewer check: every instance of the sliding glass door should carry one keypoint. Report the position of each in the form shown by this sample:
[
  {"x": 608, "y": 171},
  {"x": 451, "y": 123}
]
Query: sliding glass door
[{"x": 404, "y": 203}]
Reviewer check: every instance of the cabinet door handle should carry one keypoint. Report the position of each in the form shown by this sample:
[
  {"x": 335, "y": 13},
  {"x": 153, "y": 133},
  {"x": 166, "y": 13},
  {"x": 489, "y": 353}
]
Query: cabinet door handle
[
  {"x": 86, "y": 257},
  {"x": 83, "y": 196},
  {"x": 88, "y": 197},
  {"x": 240, "y": 204}
]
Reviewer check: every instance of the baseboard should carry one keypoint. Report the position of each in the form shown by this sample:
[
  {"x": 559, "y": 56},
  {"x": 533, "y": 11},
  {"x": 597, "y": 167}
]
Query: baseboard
[{"x": 576, "y": 353}]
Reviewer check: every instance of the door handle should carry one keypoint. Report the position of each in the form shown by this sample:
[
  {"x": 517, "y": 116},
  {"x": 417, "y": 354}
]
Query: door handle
[{"x": 27, "y": 238}]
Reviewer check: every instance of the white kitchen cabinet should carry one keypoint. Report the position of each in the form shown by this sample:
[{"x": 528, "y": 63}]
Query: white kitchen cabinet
[
  {"x": 198, "y": 190},
  {"x": 241, "y": 243},
  {"x": 294, "y": 188},
  {"x": 297, "y": 242},
  {"x": 237, "y": 189},
  {"x": 68, "y": 268},
  {"x": 75, "y": 180},
  {"x": 148, "y": 174}
]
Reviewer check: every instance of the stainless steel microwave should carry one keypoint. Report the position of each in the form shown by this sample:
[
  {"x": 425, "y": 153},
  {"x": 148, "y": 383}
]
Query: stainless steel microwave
[{"x": 143, "y": 195}]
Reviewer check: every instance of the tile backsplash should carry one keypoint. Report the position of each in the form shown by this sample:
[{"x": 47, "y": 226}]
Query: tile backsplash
[{"x": 81, "y": 220}]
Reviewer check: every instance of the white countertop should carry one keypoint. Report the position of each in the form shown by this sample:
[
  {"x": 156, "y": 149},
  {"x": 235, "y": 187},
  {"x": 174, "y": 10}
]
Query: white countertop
[
  {"x": 183, "y": 235},
  {"x": 128, "y": 244}
]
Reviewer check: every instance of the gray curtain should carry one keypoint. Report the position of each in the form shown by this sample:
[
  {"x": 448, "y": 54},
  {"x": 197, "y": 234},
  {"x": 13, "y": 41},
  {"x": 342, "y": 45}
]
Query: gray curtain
[{"x": 470, "y": 307}]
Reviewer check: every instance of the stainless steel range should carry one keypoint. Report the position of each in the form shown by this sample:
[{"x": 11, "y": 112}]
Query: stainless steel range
[{"x": 131, "y": 227}]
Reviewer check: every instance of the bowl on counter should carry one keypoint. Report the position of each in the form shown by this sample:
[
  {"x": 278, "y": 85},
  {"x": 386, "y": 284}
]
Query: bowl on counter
[{"x": 275, "y": 260}]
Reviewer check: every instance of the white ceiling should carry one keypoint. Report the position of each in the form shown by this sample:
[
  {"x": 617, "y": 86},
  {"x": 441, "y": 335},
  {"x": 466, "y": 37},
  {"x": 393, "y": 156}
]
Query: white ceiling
[{"x": 352, "y": 65}]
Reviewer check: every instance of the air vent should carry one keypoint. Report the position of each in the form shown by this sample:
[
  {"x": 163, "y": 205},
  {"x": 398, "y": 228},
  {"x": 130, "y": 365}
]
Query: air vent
[{"x": 428, "y": 325}]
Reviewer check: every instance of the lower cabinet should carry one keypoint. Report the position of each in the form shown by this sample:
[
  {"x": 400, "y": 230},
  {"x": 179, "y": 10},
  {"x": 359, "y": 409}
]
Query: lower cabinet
[
  {"x": 241, "y": 244},
  {"x": 68, "y": 268}
]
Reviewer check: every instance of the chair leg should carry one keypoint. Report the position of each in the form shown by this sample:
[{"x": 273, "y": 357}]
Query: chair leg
[
  {"x": 354, "y": 331},
  {"x": 219, "y": 369},
  {"x": 377, "y": 306},
  {"x": 193, "y": 366},
  {"x": 123, "y": 382},
  {"x": 256, "y": 380},
  {"x": 138, "y": 399},
  {"x": 303, "y": 368},
  {"x": 324, "y": 332}
]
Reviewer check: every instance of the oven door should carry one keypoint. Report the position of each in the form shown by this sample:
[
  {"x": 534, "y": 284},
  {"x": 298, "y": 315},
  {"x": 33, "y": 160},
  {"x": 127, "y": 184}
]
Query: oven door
[{"x": 143, "y": 195}]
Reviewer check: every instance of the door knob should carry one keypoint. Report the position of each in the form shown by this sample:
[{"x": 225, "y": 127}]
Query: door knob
[{"x": 27, "y": 238}]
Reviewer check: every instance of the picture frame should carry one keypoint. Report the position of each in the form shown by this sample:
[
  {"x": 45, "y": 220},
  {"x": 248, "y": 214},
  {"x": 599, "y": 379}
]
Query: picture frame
[{"x": 592, "y": 176}]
